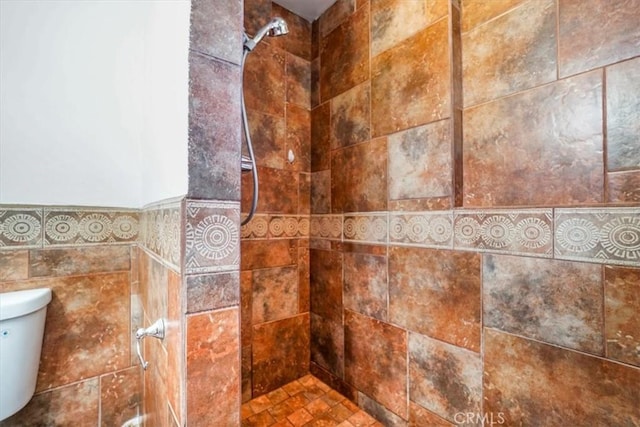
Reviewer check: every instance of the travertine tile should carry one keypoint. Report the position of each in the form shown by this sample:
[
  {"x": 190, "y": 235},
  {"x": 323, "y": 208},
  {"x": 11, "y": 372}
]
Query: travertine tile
[
  {"x": 14, "y": 265},
  {"x": 477, "y": 12},
  {"x": 622, "y": 305}
]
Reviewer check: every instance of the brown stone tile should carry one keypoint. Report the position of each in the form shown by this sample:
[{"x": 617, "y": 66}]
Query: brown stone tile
[
  {"x": 426, "y": 229},
  {"x": 300, "y": 417},
  {"x": 120, "y": 396},
  {"x": 432, "y": 204},
  {"x": 64, "y": 226},
  {"x": 268, "y": 253},
  {"x": 622, "y": 304},
  {"x": 420, "y": 164},
  {"x": 216, "y": 29},
  {"x": 75, "y": 404},
  {"x": 340, "y": 412},
  {"x": 516, "y": 51},
  {"x": 366, "y": 284},
  {"x": 246, "y": 411},
  {"x": 280, "y": 353},
  {"x": 321, "y": 137},
  {"x": 76, "y": 261},
  {"x": 326, "y": 284},
  {"x": 214, "y": 128},
  {"x": 304, "y": 194},
  {"x": 335, "y": 15},
  {"x": 259, "y": 420},
  {"x": 277, "y": 396},
  {"x": 321, "y": 192},
  {"x": 275, "y": 294},
  {"x": 420, "y": 417},
  {"x": 369, "y": 228},
  {"x": 406, "y": 93},
  {"x": 282, "y": 410},
  {"x": 293, "y": 388},
  {"x": 298, "y": 81},
  {"x": 327, "y": 344},
  {"x": 558, "y": 302},
  {"x": 304, "y": 282},
  {"x": 384, "y": 376},
  {"x": 623, "y": 115},
  {"x": 174, "y": 342},
  {"x": 299, "y": 138},
  {"x": 265, "y": 80},
  {"x": 22, "y": 228},
  {"x": 395, "y": 20},
  {"x": 384, "y": 417},
  {"x": 278, "y": 191},
  {"x": 444, "y": 378},
  {"x": 359, "y": 178},
  {"x": 317, "y": 407},
  {"x": 315, "y": 39},
  {"x": 298, "y": 40},
  {"x": 246, "y": 306},
  {"x": 507, "y": 164},
  {"x": 623, "y": 187},
  {"x": 436, "y": 293},
  {"x": 268, "y": 137},
  {"x": 246, "y": 368},
  {"x": 350, "y": 117},
  {"x": 327, "y": 381},
  {"x": 361, "y": 419},
  {"x": 261, "y": 403},
  {"x": 607, "y": 34},
  {"x": 212, "y": 291},
  {"x": 315, "y": 82},
  {"x": 477, "y": 12},
  {"x": 344, "y": 55},
  {"x": 14, "y": 265},
  {"x": 256, "y": 15},
  {"x": 213, "y": 338},
  {"x": 528, "y": 381}
]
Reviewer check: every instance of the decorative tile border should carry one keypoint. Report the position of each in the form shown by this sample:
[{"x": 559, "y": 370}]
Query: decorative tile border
[
  {"x": 20, "y": 227},
  {"x": 67, "y": 226},
  {"x": 608, "y": 236},
  {"x": 212, "y": 236},
  {"x": 276, "y": 226},
  {"x": 326, "y": 227},
  {"x": 517, "y": 232},
  {"x": 369, "y": 228},
  {"x": 161, "y": 231},
  {"x": 424, "y": 229}
]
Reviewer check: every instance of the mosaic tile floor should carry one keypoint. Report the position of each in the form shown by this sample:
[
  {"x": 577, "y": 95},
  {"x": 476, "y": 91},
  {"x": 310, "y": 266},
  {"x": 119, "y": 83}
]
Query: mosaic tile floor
[{"x": 305, "y": 402}]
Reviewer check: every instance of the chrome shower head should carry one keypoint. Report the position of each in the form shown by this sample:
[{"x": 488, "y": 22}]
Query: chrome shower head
[{"x": 276, "y": 27}]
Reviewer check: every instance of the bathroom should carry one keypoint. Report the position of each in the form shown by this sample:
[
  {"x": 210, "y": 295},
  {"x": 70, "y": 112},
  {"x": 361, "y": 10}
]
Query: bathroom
[{"x": 448, "y": 223}]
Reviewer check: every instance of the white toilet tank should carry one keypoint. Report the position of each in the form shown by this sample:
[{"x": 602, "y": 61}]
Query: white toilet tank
[{"x": 22, "y": 317}]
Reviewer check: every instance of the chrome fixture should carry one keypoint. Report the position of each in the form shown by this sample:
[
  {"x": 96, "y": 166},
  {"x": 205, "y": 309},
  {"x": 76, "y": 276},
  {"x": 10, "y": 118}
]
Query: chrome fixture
[
  {"x": 156, "y": 331},
  {"x": 276, "y": 27}
]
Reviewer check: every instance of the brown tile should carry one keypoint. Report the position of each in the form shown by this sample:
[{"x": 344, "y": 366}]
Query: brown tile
[
  {"x": 558, "y": 302},
  {"x": 278, "y": 191},
  {"x": 64, "y": 226},
  {"x": 361, "y": 419},
  {"x": 298, "y": 41},
  {"x": 212, "y": 291},
  {"x": 304, "y": 276},
  {"x": 268, "y": 138},
  {"x": 477, "y": 12},
  {"x": 344, "y": 55},
  {"x": 420, "y": 163},
  {"x": 275, "y": 294},
  {"x": 280, "y": 353},
  {"x": 326, "y": 284},
  {"x": 21, "y": 228},
  {"x": 246, "y": 411},
  {"x": 365, "y": 284},
  {"x": 436, "y": 293},
  {"x": 350, "y": 117},
  {"x": 327, "y": 344},
  {"x": 256, "y": 15},
  {"x": 213, "y": 338},
  {"x": 317, "y": 407},
  {"x": 174, "y": 342},
  {"x": 507, "y": 164},
  {"x": 268, "y": 253},
  {"x": 427, "y": 229},
  {"x": 340, "y": 412},
  {"x": 304, "y": 195},
  {"x": 214, "y": 128},
  {"x": 321, "y": 192},
  {"x": 259, "y": 420},
  {"x": 327, "y": 381},
  {"x": 321, "y": 136},
  {"x": 315, "y": 82},
  {"x": 384, "y": 376},
  {"x": 607, "y": 34},
  {"x": 395, "y": 20},
  {"x": 282, "y": 410},
  {"x": 622, "y": 304},
  {"x": 516, "y": 51},
  {"x": 406, "y": 93},
  {"x": 14, "y": 265},
  {"x": 444, "y": 378},
  {"x": 298, "y": 81},
  {"x": 335, "y": 15},
  {"x": 370, "y": 228},
  {"x": 300, "y": 417},
  {"x": 432, "y": 204},
  {"x": 246, "y": 375},
  {"x": 72, "y": 262},
  {"x": 420, "y": 417},
  {"x": 75, "y": 404},
  {"x": 383, "y": 416},
  {"x": 265, "y": 80},
  {"x": 623, "y": 115},
  {"x": 361, "y": 183},
  {"x": 216, "y": 29},
  {"x": 528, "y": 381},
  {"x": 315, "y": 39},
  {"x": 120, "y": 396},
  {"x": 299, "y": 138},
  {"x": 277, "y": 396},
  {"x": 260, "y": 404},
  {"x": 293, "y": 388},
  {"x": 623, "y": 187}
]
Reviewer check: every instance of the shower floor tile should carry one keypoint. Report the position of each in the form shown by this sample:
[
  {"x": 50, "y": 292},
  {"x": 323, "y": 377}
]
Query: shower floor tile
[{"x": 305, "y": 402}]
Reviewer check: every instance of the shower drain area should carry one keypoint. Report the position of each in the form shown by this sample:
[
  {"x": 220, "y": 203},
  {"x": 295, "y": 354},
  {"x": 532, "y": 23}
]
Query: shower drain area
[{"x": 304, "y": 402}]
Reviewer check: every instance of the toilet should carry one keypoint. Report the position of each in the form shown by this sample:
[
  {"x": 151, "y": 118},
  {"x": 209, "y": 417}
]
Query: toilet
[{"x": 22, "y": 317}]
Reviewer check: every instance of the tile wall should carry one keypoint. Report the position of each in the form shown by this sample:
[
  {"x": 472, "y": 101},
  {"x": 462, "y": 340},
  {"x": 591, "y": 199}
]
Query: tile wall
[
  {"x": 275, "y": 254},
  {"x": 475, "y": 210}
]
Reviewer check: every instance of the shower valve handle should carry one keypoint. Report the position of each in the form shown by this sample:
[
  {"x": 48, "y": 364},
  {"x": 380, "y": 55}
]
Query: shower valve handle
[{"x": 156, "y": 331}]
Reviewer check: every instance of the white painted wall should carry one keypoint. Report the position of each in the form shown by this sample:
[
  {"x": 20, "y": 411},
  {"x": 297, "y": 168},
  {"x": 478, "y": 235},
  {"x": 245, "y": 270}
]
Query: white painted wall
[{"x": 93, "y": 101}]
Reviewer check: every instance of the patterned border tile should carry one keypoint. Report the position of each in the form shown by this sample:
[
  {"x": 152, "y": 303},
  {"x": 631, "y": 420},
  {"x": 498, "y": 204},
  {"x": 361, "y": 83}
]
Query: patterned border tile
[
  {"x": 69, "y": 226},
  {"x": 517, "y": 232},
  {"x": 276, "y": 226},
  {"x": 424, "y": 229},
  {"x": 326, "y": 227},
  {"x": 20, "y": 227},
  {"x": 161, "y": 231},
  {"x": 370, "y": 228},
  {"x": 608, "y": 236},
  {"x": 212, "y": 236}
]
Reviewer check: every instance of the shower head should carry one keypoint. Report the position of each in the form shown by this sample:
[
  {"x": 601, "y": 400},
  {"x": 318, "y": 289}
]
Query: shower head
[{"x": 276, "y": 27}]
